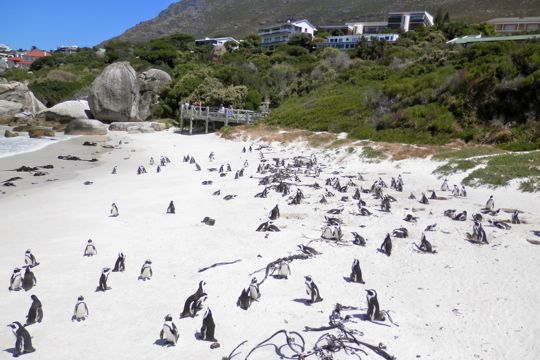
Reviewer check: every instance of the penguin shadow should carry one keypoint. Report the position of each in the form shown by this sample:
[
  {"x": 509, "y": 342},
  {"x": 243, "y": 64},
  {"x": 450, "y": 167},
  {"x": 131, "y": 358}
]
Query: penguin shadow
[
  {"x": 163, "y": 343},
  {"x": 364, "y": 317},
  {"x": 10, "y": 351},
  {"x": 279, "y": 277},
  {"x": 349, "y": 280},
  {"x": 306, "y": 302},
  {"x": 382, "y": 252}
]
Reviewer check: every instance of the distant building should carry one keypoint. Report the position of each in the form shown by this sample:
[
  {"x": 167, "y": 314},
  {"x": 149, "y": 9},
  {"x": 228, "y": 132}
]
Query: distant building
[
  {"x": 370, "y": 27},
  {"x": 281, "y": 33},
  {"x": 4, "y": 48},
  {"x": 217, "y": 41},
  {"x": 516, "y": 24},
  {"x": 409, "y": 20},
  {"x": 337, "y": 30},
  {"x": 347, "y": 42},
  {"x": 71, "y": 49},
  {"x": 35, "y": 54},
  {"x": 24, "y": 60},
  {"x": 471, "y": 39}
]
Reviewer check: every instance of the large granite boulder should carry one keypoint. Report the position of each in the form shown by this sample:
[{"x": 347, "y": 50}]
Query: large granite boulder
[
  {"x": 15, "y": 97},
  {"x": 67, "y": 111},
  {"x": 85, "y": 127},
  {"x": 151, "y": 83},
  {"x": 40, "y": 131},
  {"x": 137, "y": 127},
  {"x": 9, "y": 134},
  {"x": 114, "y": 95}
]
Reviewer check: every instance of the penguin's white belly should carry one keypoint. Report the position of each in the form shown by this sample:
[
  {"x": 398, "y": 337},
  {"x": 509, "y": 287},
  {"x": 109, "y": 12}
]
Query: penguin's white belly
[
  {"x": 253, "y": 293},
  {"x": 81, "y": 312},
  {"x": 284, "y": 271},
  {"x": 90, "y": 251},
  {"x": 146, "y": 273},
  {"x": 17, "y": 283},
  {"x": 168, "y": 335}
]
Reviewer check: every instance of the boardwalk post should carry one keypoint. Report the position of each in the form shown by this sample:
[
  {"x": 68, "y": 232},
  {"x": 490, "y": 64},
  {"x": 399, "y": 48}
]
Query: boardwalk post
[
  {"x": 191, "y": 122},
  {"x": 207, "y": 118},
  {"x": 226, "y": 117},
  {"x": 181, "y": 118}
]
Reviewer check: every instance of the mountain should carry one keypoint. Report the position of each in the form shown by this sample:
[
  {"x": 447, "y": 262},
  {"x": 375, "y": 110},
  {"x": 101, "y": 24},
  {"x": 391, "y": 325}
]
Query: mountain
[{"x": 240, "y": 17}]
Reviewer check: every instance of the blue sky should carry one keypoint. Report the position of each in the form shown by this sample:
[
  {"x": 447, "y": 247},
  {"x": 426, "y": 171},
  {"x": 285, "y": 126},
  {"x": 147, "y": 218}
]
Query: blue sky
[{"x": 48, "y": 24}]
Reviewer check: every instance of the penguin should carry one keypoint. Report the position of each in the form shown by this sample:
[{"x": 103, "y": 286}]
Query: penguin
[
  {"x": 151, "y": 161},
  {"x": 400, "y": 233},
  {"x": 169, "y": 332},
  {"x": 216, "y": 193},
  {"x": 283, "y": 270},
  {"x": 229, "y": 168},
  {"x": 103, "y": 280},
  {"x": 412, "y": 197},
  {"x": 15, "y": 283},
  {"x": 244, "y": 300},
  {"x": 463, "y": 192},
  {"x": 30, "y": 259},
  {"x": 191, "y": 305},
  {"x": 386, "y": 246},
  {"x": 500, "y": 224},
  {"x": 356, "y": 195},
  {"x": 424, "y": 199},
  {"x": 515, "y": 217},
  {"x": 197, "y": 167},
  {"x": 81, "y": 310},
  {"x": 29, "y": 279},
  {"x": 410, "y": 218},
  {"x": 430, "y": 227},
  {"x": 244, "y": 150},
  {"x": 208, "y": 326},
  {"x": 444, "y": 186},
  {"x": 425, "y": 245},
  {"x": 23, "y": 342},
  {"x": 479, "y": 233},
  {"x": 433, "y": 196},
  {"x": 254, "y": 291},
  {"x": 312, "y": 290},
  {"x": 274, "y": 214},
  {"x": 455, "y": 191},
  {"x": 221, "y": 169},
  {"x": 211, "y": 157},
  {"x": 113, "y": 171},
  {"x": 158, "y": 169},
  {"x": 120, "y": 264},
  {"x": 373, "y": 312},
  {"x": 364, "y": 211},
  {"x": 358, "y": 239},
  {"x": 90, "y": 249},
  {"x": 490, "y": 204},
  {"x": 308, "y": 250},
  {"x": 146, "y": 271},
  {"x": 356, "y": 272},
  {"x": 462, "y": 216},
  {"x": 114, "y": 210},
  {"x": 35, "y": 313},
  {"x": 171, "y": 209}
]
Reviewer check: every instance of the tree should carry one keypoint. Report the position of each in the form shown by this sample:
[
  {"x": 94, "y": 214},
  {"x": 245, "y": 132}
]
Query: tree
[{"x": 301, "y": 39}]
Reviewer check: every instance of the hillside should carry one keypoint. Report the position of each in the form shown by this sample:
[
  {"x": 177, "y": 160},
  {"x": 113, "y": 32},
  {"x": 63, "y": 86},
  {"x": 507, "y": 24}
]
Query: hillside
[{"x": 241, "y": 17}]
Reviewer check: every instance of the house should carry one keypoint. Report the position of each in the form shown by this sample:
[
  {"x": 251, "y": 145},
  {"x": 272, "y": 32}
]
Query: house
[
  {"x": 4, "y": 48},
  {"x": 347, "y": 42},
  {"x": 35, "y": 54},
  {"x": 281, "y": 33},
  {"x": 71, "y": 49},
  {"x": 409, "y": 20},
  {"x": 24, "y": 60},
  {"x": 18, "y": 62},
  {"x": 471, "y": 39},
  {"x": 516, "y": 24},
  {"x": 337, "y": 30},
  {"x": 370, "y": 27},
  {"x": 217, "y": 41}
]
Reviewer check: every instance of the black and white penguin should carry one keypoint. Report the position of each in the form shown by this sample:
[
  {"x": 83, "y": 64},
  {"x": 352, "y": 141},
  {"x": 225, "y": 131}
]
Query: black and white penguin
[
  {"x": 192, "y": 303},
  {"x": 356, "y": 272},
  {"x": 169, "y": 332},
  {"x": 211, "y": 157},
  {"x": 479, "y": 233},
  {"x": 323, "y": 200},
  {"x": 425, "y": 245},
  {"x": 171, "y": 209},
  {"x": 120, "y": 264},
  {"x": 283, "y": 270},
  {"x": 158, "y": 169},
  {"x": 358, "y": 239},
  {"x": 151, "y": 161},
  {"x": 490, "y": 204},
  {"x": 15, "y": 282},
  {"x": 103, "y": 280},
  {"x": 29, "y": 279},
  {"x": 312, "y": 290},
  {"x": 274, "y": 214},
  {"x": 500, "y": 224},
  {"x": 81, "y": 310},
  {"x": 208, "y": 327},
  {"x": 462, "y": 216},
  {"x": 113, "y": 170},
  {"x": 424, "y": 199},
  {"x": 433, "y": 196},
  {"x": 455, "y": 191},
  {"x": 30, "y": 259},
  {"x": 515, "y": 217},
  {"x": 23, "y": 342},
  {"x": 410, "y": 218},
  {"x": 90, "y": 249},
  {"x": 430, "y": 227},
  {"x": 146, "y": 271},
  {"x": 386, "y": 246},
  {"x": 244, "y": 300},
  {"x": 444, "y": 186},
  {"x": 373, "y": 312},
  {"x": 463, "y": 192},
  {"x": 229, "y": 168},
  {"x": 35, "y": 313},
  {"x": 401, "y": 233},
  {"x": 412, "y": 197},
  {"x": 114, "y": 210},
  {"x": 308, "y": 250},
  {"x": 364, "y": 211},
  {"x": 254, "y": 291}
]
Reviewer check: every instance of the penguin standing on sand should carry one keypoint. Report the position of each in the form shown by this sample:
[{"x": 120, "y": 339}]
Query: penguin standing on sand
[
  {"x": 29, "y": 279},
  {"x": 103, "y": 280},
  {"x": 515, "y": 218},
  {"x": 274, "y": 214},
  {"x": 30, "y": 259},
  {"x": 244, "y": 301},
  {"x": 386, "y": 246},
  {"x": 425, "y": 245},
  {"x": 193, "y": 302},
  {"x": 444, "y": 186},
  {"x": 283, "y": 270},
  {"x": 169, "y": 332},
  {"x": 208, "y": 326},
  {"x": 35, "y": 313},
  {"x": 254, "y": 291},
  {"x": 81, "y": 310},
  {"x": 424, "y": 199},
  {"x": 356, "y": 272},
  {"x": 373, "y": 312},
  {"x": 15, "y": 282},
  {"x": 114, "y": 210},
  {"x": 171, "y": 209},
  {"x": 120, "y": 264},
  {"x": 463, "y": 192},
  {"x": 151, "y": 161},
  {"x": 146, "y": 271},
  {"x": 23, "y": 342},
  {"x": 490, "y": 204},
  {"x": 114, "y": 171},
  {"x": 90, "y": 249},
  {"x": 312, "y": 290}
]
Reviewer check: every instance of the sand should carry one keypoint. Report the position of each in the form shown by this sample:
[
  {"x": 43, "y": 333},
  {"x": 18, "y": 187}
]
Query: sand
[{"x": 465, "y": 302}]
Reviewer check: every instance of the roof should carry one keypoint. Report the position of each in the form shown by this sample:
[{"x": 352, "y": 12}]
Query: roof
[
  {"x": 290, "y": 22},
  {"x": 304, "y": 20},
  {"x": 368, "y": 23},
  {"x": 513, "y": 20},
  {"x": 478, "y": 38},
  {"x": 37, "y": 53}
]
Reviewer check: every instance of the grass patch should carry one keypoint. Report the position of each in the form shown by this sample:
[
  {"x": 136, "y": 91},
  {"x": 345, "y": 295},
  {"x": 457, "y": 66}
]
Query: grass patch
[
  {"x": 530, "y": 185},
  {"x": 467, "y": 153},
  {"x": 456, "y": 165},
  {"x": 372, "y": 154}
]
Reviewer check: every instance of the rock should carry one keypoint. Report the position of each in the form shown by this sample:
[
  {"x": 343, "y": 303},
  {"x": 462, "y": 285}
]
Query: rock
[
  {"x": 158, "y": 126},
  {"x": 151, "y": 83},
  {"x": 217, "y": 53},
  {"x": 40, "y": 131},
  {"x": 137, "y": 127},
  {"x": 67, "y": 111},
  {"x": 10, "y": 134},
  {"x": 139, "y": 130},
  {"x": 85, "y": 127},
  {"x": 8, "y": 109},
  {"x": 114, "y": 95},
  {"x": 19, "y": 94}
]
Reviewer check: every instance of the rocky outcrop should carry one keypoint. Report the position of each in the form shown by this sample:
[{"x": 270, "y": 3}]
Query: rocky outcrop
[
  {"x": 15, "y": 97},
  {"x": 40, "y": 131},
  {"x": 10, "y": 134},
  {"x": 67, "y": 111},
  {"x": 137, "y": 127},
  {"x": 85, "y": 127},
  {"x": 114, "y": 95},
  {"x": 151, "y": 83}
]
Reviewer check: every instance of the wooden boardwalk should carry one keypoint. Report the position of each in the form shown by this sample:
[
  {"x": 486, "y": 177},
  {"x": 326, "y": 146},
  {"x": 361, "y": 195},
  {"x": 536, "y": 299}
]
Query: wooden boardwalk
[{"x": 209, "y": 115}]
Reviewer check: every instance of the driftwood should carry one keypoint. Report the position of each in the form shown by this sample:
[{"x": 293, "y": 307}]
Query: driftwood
[
  {"x": 268, "y": 268},
  {"x": 220, "y": 264}
]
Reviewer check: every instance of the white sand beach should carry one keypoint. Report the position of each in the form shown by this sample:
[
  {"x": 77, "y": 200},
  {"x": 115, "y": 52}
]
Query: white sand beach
[{"x": 465, "y": 302}]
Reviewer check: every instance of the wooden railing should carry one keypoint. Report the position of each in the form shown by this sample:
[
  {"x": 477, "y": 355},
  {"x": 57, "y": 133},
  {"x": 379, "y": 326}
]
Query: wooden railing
[{"x": 224, "y": 115}]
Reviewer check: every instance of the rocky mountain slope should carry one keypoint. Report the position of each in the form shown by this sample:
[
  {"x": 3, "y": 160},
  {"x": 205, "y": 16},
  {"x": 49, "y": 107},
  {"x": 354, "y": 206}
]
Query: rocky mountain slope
[{"x": 241, "y": 17}]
